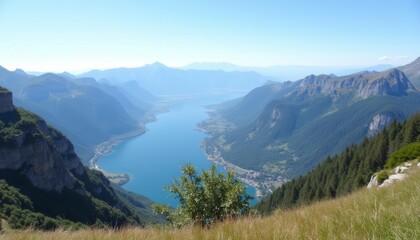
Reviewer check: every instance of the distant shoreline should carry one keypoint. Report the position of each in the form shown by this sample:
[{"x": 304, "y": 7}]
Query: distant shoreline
[{"x": 107, "y": 146}]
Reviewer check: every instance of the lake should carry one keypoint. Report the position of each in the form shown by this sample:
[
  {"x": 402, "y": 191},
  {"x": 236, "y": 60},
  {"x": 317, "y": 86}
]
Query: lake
[{"x": 153, "y": 160}]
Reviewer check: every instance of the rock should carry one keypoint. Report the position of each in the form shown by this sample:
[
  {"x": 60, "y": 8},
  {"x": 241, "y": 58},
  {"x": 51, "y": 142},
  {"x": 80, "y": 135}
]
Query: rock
[
  {"x": 418, "y": 164},
  {"x": 6, "y": 101},
  {"x": 373, "y": 182},
  {"x": 378, "y": 122},
  {"x": 392, "y": 179},
  {"x": 400, "y": 169},
  {"x": 407, "y": 164}
]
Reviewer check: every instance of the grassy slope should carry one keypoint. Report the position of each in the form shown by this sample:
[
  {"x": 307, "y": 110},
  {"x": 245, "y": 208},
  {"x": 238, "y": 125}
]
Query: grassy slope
[{"x": 387, "y": 213}]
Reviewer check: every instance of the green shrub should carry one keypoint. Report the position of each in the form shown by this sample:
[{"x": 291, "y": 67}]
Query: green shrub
[
  {"x": 205, "y": 198},
  {"x": 382, "y": 176},
  {"x": 406, "y": 153}
]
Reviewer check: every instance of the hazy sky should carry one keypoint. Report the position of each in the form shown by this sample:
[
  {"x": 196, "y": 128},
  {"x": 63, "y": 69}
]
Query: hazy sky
[{"x": 78, "y": 35}]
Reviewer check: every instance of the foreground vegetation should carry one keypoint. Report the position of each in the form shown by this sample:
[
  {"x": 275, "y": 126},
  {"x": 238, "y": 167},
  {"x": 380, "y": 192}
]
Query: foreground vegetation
[
  {"x": 385, "y": 213},
  {"x": 205, "y": 198}
]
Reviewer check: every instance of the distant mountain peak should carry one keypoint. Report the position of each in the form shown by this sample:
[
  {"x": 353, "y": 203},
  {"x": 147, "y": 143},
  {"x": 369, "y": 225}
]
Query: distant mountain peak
[
  {"x": 156, "y": 65},
  {"x": 67, "y": 75},
  {"x": 20, "y": 72}
]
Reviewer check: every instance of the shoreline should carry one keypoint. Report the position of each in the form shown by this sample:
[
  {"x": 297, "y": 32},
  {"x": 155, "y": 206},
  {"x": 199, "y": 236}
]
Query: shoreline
[
  {"x": 214, "y": 155},
  {"x": 106, "y": 147},
  {"x": 263, "y": 183},
  {"x": 214, "y": 127}
]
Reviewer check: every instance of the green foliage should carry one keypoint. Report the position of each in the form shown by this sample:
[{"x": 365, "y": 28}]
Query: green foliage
[
  {"x": 349, "y": 170},
  {"x": 382, "y": 176},
  {"x": 16, "y": 124},
  {"x": 205, "y": 198},
  {"x": 406, "y": 153}
]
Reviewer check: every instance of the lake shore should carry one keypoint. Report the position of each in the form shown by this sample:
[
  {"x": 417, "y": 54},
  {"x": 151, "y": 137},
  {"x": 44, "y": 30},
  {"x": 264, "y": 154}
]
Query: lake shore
[
  {"x": 104, "y": 148},
  {"x": 215, "y": 125}
]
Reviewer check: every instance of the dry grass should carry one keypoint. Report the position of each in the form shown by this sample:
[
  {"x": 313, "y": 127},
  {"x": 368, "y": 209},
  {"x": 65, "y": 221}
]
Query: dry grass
[{"x": 388, "y": 213}]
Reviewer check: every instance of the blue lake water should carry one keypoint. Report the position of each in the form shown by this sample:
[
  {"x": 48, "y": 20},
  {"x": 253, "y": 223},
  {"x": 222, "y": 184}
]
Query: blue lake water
[{"x": 154, "y": 159}]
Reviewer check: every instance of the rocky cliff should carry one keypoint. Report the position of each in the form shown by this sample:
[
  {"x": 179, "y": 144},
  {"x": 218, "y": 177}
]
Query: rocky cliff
[
  {"x": 378, "y": 122},
  {"x": 41, "y": 153},
  {"x": 362, "y": 85},
  {"x": 6, "y": 102},
  {"x": 41, "y": 162}
]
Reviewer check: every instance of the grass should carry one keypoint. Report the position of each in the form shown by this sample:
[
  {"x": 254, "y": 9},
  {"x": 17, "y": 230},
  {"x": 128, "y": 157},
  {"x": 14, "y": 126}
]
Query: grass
[{"x": 385, "y": 213}]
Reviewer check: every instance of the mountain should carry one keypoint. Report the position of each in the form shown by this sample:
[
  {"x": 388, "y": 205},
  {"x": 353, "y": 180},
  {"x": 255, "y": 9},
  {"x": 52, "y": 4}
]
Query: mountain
[
  {"x": 162, "y": 80},
  {"x": 284, "y": 130},
  {"x": 135, "y": 108},
  {"x": 412, "y": 71},
  {"x": 346, "y": 172},
  {"x": 43, "y": 182},
  {"x": 284, "y": 73},
  {"x": 87, "y": 111}
]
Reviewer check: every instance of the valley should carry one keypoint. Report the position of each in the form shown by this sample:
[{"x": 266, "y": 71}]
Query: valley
[{"x": 150, "y": 168}]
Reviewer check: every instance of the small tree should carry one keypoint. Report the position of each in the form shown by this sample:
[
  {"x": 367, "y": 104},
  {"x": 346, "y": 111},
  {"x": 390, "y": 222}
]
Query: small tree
[{"x": 205, "y": 198}]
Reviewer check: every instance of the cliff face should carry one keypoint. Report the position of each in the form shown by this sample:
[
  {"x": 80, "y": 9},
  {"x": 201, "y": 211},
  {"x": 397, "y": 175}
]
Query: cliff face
[
  {"x": 39, "y": 152},
  {"x": 378, "y": 122},
  {"x": 362, "y": 85},
  {"x": 6, "y": 102}
]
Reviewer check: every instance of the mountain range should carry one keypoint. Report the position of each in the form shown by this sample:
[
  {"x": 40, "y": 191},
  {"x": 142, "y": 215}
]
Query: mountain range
[
  {"x": 283, "y": 130},
  {"x": 87, "y": 111},
  {"x": 284, "y": 73},
  {"x": 162, "y": 80}
]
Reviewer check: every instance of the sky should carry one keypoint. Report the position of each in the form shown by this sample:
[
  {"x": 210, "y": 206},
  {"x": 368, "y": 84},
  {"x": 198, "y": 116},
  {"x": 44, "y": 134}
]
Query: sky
[{"x": 78, "y": 35}]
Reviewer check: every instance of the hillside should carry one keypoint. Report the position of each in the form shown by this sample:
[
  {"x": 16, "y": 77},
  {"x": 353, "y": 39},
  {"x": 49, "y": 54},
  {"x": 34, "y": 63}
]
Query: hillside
[
  {"x": 86, "y": 111},
  {"x": 282, "y": 130},
  {"x": 346, "y": 172},
  {"x": 385, "y": 213},
  {"x": 45, "y": 185}
]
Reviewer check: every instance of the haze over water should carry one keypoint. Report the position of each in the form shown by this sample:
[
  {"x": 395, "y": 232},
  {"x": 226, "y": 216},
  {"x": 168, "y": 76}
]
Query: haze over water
[{"x": 153, "y": 160}]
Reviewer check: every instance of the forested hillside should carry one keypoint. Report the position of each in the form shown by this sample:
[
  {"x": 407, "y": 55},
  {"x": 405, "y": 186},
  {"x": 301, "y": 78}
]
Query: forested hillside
[{"x": 343, "y": 173}]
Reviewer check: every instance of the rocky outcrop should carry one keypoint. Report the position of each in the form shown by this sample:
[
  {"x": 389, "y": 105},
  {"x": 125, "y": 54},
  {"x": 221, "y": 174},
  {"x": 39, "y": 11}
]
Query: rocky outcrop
[
  {"x": 400, "y": 173},
  {"x": 275, "y": 116},
  {"x": 6, "y": 101},
  {"x": 378, "y": 122}
]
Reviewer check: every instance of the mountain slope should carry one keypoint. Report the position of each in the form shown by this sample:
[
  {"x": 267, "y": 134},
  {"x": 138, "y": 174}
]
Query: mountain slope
[
  {"x": 347, "y": 171},
  {"x": 285, "y": 129},
  {"x": 412, "y": 70},
  {"x": 55, "y": 186}
]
